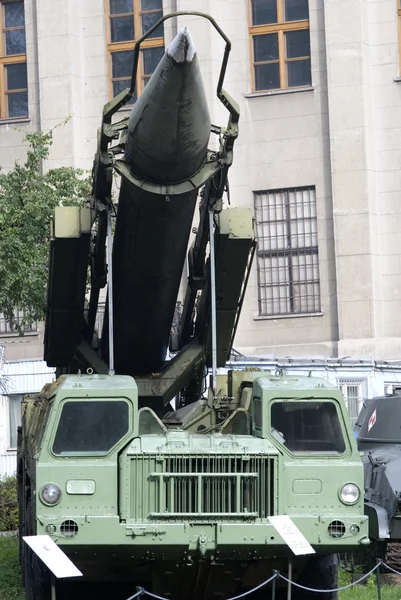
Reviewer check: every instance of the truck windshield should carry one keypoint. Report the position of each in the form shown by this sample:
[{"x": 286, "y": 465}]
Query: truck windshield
[
  {"x": 307, "y": 426},
  {"x": 91, "y": 427}
]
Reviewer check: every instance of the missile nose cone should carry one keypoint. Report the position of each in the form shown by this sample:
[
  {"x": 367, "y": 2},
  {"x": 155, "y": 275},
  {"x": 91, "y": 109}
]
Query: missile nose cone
[
  {"x": 182, "y": 48},
  {"x": 169, "y": 125}
]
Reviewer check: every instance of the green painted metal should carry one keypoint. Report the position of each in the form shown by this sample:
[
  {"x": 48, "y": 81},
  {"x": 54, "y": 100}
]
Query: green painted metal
[
  {"x": 181, "y": 502},
  {"x": 179, "y": 481},
  {"x": 185, "y": 495}
]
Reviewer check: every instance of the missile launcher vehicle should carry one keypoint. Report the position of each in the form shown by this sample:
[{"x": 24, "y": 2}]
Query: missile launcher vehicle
[{"x": 152, "y": 469}]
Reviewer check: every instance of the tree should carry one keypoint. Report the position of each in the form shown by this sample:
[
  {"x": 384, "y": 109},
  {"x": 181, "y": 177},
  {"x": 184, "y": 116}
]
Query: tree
[{"x": 27, "y": 201}]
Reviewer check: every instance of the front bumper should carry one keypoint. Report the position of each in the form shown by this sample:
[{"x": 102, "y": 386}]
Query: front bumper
[{"x": 226, "y": 538}]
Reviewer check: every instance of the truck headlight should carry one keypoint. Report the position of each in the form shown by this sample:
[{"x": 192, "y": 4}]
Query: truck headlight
[
  {"x": 50, "y": 494},
  {"x": 350, "y": 493}
]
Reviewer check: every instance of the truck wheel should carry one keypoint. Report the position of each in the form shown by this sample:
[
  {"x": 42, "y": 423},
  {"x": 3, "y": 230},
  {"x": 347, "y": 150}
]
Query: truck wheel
[
  {"x": 41, "y": 580},
  {"x": 320, "y": 573},
  {"x": 36, "y": 575},
  {"x": 26, "y": 554}
]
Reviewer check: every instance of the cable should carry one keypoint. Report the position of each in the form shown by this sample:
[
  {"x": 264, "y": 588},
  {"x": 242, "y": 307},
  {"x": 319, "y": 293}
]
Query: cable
[
  {"x": 340, "y": 589},
  {"x": 390, "y": 568},
  {"x": 255, "y": 589},
  {"x": 143, "y": 592},
  {"x": 153, "y": 596},
  {"x": 140, "y": 592}
]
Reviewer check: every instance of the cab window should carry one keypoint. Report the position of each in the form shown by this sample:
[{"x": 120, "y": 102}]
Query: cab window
[
  {"x": 91, "y": 427},
  {"x": 307, "y": 427}
]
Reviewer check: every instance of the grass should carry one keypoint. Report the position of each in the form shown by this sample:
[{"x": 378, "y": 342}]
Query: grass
[
  {"x": 11, "y": 589},
  {"x": 10, "y": 577},
  {"x": 367, "y": 591}
]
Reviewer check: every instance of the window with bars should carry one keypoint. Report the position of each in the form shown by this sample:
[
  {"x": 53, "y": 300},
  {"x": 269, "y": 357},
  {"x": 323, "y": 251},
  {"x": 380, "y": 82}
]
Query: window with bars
[
  {"x": 13, "y": 71},
  {"x": 128, "y": 20},
  {"x": 280, "y": 44},
  {"x": 18, "y": 324},
  {"x": 14, "y": 404},
  {"x": 399, "y": 28},
  {"x": 352, "y": 390},
  {"x": 287, "y": 252}
]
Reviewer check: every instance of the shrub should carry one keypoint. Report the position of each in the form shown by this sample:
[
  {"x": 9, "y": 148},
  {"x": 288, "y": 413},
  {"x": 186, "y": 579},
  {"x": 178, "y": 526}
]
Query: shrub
[{"x": 8, "y": 504}]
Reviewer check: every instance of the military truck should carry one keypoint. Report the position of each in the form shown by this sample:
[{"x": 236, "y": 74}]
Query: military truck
[
  {"x": 379, "y": 441},
  {"x": 154, "y": 470}
]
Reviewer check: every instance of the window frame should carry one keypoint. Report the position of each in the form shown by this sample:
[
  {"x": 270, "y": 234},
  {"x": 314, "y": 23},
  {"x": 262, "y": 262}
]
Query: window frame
[
  {"x": 9, "y": 59},
  {"x": 281, "y": 27},
  {"x": 399, "y": 31},
  {"x": 129, "y": 45},
  {"x": 8, "y": 328},
  {"x": 312, "y": 453},
  {"x": 344, "y": 383},
  {"x": 288, "y": 252},
  {"x": 89, "y": 454},
  {"x": 11, "y": 398}
]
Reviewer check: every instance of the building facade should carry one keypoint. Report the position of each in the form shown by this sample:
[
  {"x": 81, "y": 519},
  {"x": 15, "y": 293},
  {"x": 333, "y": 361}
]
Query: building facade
[
  {"x": 318, "y": 156},
  {"x": 22, "y": 378}
]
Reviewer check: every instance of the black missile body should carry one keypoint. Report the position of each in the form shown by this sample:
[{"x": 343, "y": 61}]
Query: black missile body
[{"x": 167, "y": 139}]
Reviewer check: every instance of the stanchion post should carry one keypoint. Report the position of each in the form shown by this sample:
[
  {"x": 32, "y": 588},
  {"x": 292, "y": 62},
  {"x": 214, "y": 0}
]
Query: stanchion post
[
  {"x": 289, "y": 585},
  {"x": 379, "y": 591},
  {"x": 275, "y": 573},
  {"x": 53, "y": 586}
]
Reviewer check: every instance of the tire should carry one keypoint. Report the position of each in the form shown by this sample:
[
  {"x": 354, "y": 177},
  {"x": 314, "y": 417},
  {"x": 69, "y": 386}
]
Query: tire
[
  {"x": 320, "y": 573},
  {"x": 41, "y": 580},
  {"x": 36, "y": 575},
  {"x": 26, "y": 554}
]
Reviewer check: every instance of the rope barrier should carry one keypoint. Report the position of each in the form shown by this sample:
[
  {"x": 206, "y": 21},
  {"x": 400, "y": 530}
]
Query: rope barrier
[
  {"x": 255, "y": 589},
  {"x": 154, "y": 595},
  {"x": 340, "y": 589},
  {"x": 277, "y": 575},
  {"x": 144, "y": 592},
  {"x": 390, "y": 568},
  {"x": 140, "y": 592}
]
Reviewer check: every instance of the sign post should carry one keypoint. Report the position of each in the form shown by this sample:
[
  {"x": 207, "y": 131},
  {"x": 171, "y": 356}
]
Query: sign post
[{"x": 54, "y": 558}]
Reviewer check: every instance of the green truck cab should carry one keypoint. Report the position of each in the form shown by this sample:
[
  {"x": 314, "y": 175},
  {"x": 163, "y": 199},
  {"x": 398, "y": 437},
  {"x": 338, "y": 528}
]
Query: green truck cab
[{"x": 131, "y": 498}]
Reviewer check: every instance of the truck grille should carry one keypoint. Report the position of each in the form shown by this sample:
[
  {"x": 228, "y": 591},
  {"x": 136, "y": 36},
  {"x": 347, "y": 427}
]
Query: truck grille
[{"x": 228, "y": 487}]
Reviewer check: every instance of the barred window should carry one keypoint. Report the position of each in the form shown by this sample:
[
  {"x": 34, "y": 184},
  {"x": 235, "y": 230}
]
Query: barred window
[
  {"x": 352, "y": 390},
  {"x": 20, "y": 323},
  {"x": 13, "y": 72},
  {"x": 280, "y": 45},
  {"x": 399, "y": 29},
  {"x": 287, "y": 252},
  {"x": 128, "y": 20},
  {"x": 14, "y": 404}
]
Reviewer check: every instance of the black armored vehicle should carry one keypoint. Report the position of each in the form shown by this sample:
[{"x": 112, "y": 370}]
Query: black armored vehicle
[{"x": 378, "y": 432}]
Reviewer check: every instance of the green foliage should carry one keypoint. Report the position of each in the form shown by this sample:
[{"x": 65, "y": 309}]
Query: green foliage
[
  {"x": 367, "y": 590},
  {"x": 10, "y": 576},
  {"x": 28, "y": 197},
  {"x": 371, "y": 582},
  {"x": 8, "y": 504}
]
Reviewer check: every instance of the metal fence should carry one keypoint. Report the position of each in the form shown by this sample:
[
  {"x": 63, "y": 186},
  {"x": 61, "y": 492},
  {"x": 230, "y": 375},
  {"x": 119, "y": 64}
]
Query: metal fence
[{"x": 6, "y": 326}]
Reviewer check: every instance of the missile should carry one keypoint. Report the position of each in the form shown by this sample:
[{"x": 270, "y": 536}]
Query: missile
[
  {"x": 169, "y": 126},
  {"x": 166, "y": 143}
]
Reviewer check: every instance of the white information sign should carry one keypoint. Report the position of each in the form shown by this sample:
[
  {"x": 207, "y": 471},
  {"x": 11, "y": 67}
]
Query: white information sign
[
  {"x": 290, "y": 533},
  {"x": 53, "y": 557}
]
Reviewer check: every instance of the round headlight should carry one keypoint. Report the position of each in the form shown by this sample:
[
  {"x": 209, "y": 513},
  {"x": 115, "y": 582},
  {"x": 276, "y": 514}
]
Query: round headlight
[
  {"x": 350, "y": 493},
  {"x": 50, "y": 494}
]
